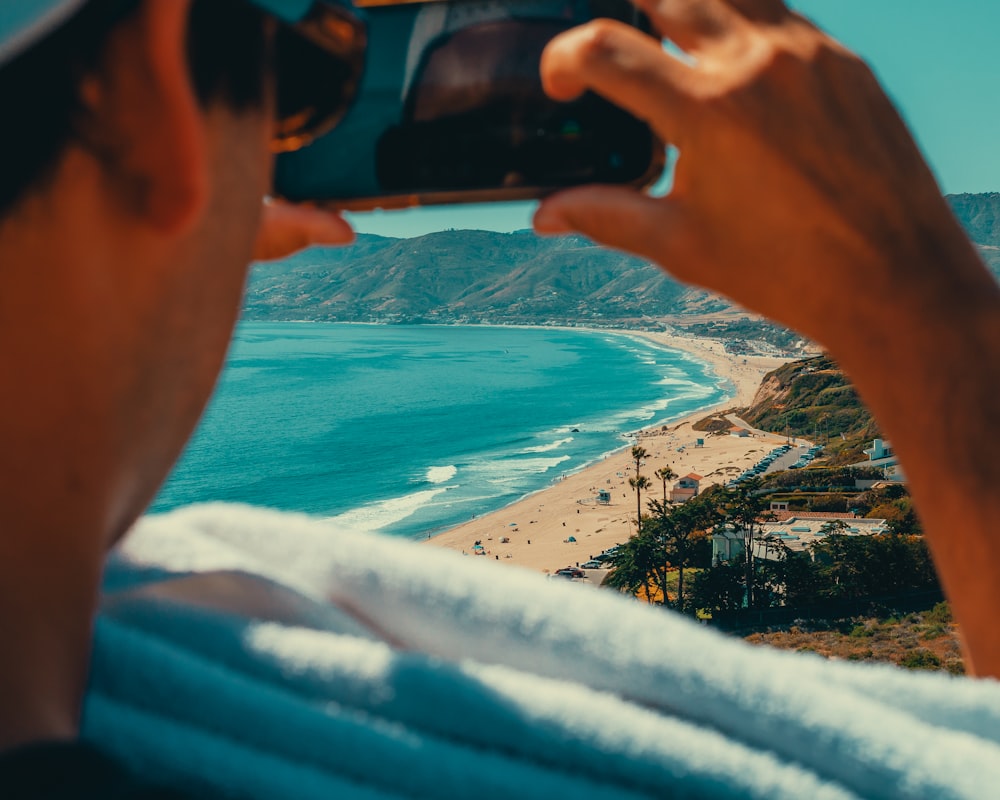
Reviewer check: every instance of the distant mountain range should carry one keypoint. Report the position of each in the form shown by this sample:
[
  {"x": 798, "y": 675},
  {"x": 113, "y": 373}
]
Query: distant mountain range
[
  {"x": 980, "y": 214},
  {"x": 469, "y": 276},
  {"x": 510, "y": 278}
]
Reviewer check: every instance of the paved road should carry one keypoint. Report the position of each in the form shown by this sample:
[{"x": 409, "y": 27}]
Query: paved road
[
  {"x": 740, "y": 423},
  {"x": 596, "y": 576},
  {"x": 789, "y": 458},
  {"x": 782, "y": 462},
  {"x": 593, "y": 576}
]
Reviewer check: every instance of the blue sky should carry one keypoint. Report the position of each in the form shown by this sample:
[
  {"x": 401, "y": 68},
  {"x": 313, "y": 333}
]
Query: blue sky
[{"x": 937, "y": 59}]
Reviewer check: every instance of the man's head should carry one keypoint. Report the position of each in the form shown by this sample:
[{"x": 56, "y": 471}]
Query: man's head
[
  {"x": 40, "y": 84},
  {"x": 315, "y": 56},
  {"x": 129, "y": 205},
  {"x": 142, "y": 154},
  {"x": 136, "y": 149}
]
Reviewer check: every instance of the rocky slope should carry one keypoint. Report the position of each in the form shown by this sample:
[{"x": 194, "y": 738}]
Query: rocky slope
[{"x": 814, "y": 399}]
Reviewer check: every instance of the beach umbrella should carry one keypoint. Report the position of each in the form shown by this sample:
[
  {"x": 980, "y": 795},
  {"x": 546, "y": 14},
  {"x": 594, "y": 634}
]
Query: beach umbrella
[{"x": 571, "y": 539}]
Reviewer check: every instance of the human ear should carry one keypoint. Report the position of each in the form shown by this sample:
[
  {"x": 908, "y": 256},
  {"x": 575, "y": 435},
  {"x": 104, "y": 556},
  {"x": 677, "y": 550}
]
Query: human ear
[{"x": 142, "y": 116}]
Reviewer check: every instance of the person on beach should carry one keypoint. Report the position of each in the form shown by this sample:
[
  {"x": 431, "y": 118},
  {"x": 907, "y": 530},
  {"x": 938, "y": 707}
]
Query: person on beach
[{"x": 137, "y": 149}]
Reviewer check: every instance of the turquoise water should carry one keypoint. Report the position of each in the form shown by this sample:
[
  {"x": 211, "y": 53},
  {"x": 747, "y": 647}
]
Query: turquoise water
[{"x": 414, "y": 429}]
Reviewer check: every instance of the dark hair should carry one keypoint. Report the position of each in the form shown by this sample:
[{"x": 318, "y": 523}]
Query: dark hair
[{"x": 227, "y": 50}]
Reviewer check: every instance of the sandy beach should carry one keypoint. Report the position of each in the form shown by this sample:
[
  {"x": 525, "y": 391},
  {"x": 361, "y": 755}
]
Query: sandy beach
[{"x": 536, "y": 531}]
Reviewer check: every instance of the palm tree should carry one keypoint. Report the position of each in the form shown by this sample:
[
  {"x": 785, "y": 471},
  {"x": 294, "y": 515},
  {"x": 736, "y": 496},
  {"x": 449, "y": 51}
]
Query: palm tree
[
  {"x": 639, "y": 482},
  {"x": 665, "y": 474},
  {"x": 746, "y": 511},
  {"x": 638, "y": 454}
]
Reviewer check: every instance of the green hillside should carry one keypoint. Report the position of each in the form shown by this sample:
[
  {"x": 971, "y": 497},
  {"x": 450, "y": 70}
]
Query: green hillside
[{"x": 815, "y": 400}]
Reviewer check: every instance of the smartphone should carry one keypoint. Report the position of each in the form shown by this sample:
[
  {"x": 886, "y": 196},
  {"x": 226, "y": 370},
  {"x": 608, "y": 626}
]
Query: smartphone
[{"x": 451, "y": 110}]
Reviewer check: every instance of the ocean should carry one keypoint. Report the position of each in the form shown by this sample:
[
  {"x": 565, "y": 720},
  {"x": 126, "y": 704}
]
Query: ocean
[{"x": 414, "y": 429}]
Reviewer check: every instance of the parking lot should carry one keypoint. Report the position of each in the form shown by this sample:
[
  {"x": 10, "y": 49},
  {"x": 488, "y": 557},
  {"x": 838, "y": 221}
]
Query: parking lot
[{"x": 780, "y": 458}]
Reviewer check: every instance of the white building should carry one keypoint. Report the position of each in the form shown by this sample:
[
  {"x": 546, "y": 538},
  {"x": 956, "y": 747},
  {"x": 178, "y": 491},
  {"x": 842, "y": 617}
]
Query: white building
[
  {"x": 882, "y": 456},
  {"x": 796, "y": 532},
  {"x": 879, "y": 450}
]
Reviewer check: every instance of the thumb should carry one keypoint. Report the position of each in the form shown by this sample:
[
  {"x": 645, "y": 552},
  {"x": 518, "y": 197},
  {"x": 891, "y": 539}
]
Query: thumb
[
  {"x": 654, "y": 228},
  {"x": 286, "y": 228}
]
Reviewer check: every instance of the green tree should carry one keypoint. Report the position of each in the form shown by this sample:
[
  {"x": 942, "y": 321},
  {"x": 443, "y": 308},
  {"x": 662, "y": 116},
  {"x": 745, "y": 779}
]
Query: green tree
[
  {"x": 720, "y": 588},
  {"x": 665, "y": 474},
  {"x": 745, "y": 510},
  {"x": 891, "y": 563},
  {"x": 856, "y": 567},
  {"x": 677, "y": 528},
  {"x": 841, "y": 565},
  {"x": 635, "y": 566},
  {"x": 833, "y": 527},
  {"x": 906, "y": 523},
  {"x": 799, "y": 578}
]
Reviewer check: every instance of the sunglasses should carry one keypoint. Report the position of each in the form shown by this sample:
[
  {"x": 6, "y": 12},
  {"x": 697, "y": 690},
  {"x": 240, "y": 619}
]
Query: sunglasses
[{"x": 318, "y": 62}]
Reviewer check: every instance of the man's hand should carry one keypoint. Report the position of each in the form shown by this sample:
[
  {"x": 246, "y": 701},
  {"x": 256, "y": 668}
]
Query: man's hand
[
  {"x": 800, "y": 193},
  {"x": 287, "y": 228},
  {"x": 795, "y": 171}
]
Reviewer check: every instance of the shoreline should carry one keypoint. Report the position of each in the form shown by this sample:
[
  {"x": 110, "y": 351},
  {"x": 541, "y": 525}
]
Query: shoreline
[{"x": 539, "y": 525}]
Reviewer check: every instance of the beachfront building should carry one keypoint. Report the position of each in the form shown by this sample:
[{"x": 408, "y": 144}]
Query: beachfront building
[
  {"x": 795, "y": 531},
  {"x": 879, "y": 450},
  {"x": 738, "y": 432},
  {"x": 881, "y": 456},
  {"x": 686, "y": 488}
]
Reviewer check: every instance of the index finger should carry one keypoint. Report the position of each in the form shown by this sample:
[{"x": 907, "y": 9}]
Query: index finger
[{"x": 625, "y": 66}]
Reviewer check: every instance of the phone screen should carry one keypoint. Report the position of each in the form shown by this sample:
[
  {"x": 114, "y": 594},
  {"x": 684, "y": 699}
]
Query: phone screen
[{"x": 451, "y": 108}]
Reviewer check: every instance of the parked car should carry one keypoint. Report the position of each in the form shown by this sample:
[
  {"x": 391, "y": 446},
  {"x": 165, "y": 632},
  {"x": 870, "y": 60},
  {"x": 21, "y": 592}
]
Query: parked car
[
  {"x": 592, "y": 564},
  {"x": 571, "y": 572}
]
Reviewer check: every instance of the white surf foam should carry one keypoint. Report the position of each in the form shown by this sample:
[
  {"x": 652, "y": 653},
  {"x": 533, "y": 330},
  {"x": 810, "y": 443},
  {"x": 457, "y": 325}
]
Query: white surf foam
[
  {"x": 674, "y": 381},
  {"x": 547, "y": 448},
  {"x": 376, "y": 516},
  {"x": 505, "y": 471},
  {"x": 441, "y": 474}
]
